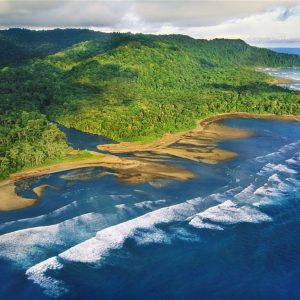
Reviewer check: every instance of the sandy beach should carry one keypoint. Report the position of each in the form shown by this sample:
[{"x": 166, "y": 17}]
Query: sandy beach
[
  {"x": 127, "y": 170},
  {"x": 9, "y": 198},
  {"x": 199, "y": 144}
]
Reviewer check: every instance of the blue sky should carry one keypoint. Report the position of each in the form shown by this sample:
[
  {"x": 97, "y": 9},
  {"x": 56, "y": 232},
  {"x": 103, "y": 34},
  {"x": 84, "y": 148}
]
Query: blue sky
[{"x": 264, "y": 23}]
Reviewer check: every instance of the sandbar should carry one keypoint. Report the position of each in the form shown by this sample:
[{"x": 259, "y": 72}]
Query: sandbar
[
  {"x": 199, "y": 144},
  {"x": 9, "y": 200}
]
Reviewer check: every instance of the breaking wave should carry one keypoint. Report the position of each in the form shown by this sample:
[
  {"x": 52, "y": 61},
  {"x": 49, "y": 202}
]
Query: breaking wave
[{"x": 47, "y": 244}]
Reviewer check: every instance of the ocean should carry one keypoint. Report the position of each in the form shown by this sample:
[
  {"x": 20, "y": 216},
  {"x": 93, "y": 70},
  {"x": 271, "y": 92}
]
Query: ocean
[
  {"x": 292, "y": 74},
  {"x": 232, "y": 232},
  {"x": 287, "y": 50}
]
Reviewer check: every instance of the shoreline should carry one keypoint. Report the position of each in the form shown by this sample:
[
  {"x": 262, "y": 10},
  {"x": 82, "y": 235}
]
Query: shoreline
[
  {"x": 198, "y": 144},
  {"x": 127, "y": 170},
  {"x": 202, "y": 125},
  {"x": 165, "y": 140},
  {"x": 246, "y": 115}
]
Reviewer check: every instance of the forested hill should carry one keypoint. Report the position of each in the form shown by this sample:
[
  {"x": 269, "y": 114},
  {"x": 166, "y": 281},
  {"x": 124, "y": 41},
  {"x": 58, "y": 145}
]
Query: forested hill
[
  {"x": 124, "y": 86},
  {"x": 20, "y": 45}
]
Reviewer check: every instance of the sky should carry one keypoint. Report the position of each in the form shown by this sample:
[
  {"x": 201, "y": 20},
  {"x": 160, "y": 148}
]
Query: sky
[{"x": 270, "y": 23}]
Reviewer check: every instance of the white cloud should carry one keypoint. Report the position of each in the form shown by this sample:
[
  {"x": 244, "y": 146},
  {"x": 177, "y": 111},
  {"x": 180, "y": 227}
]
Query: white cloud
[
  {"x": 253, "y": 20},
  {"x": 280, "y": 25}
]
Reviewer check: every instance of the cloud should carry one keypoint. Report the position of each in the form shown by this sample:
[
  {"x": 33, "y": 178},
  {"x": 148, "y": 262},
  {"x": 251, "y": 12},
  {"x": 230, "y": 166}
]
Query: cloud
[
  {"x": 200, "y": 13},
  {"x": 286, "y": 13},
  {"x": 252, "y": 20},
  {"x": 53, "y": 13},
  {"x": 278, "y": 25},
  {"x": 98, "y": 13}
]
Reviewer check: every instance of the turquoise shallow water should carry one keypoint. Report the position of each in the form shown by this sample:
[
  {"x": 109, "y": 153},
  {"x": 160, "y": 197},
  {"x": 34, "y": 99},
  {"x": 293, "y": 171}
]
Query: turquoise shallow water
[{"x": 230, "y": 233}]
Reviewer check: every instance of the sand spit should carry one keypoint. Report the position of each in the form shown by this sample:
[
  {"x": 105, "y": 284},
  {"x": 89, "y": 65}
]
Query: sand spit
[
  {"x": 39, "y": 190},
  {"x": 9, "y": 200},
  {"x": 199, "y": 144},
  {"x": 124, "y": 167},
  {"x": 130, "y": 171},
  {"x": 143, "y": 171}
]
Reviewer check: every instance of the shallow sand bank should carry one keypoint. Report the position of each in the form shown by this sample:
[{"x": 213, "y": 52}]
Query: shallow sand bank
[
  {"x": 142, "y": 170},
  {"x": 127, "y": 170},
  {"x": 39, "y": 190},
  {"x": 9, "y": 200},
  {"x": 198, "y": 144}
]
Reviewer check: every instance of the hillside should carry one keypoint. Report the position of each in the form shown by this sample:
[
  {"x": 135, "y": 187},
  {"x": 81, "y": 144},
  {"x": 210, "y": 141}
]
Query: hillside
[
  {"x": 124, "y": 86},
  {"x": 19, "y": 46}
]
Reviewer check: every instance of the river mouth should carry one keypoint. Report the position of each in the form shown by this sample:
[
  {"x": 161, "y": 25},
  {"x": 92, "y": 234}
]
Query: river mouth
[
  {"x": 91, "y": 232},
  {"x": 130, "y": 163}
]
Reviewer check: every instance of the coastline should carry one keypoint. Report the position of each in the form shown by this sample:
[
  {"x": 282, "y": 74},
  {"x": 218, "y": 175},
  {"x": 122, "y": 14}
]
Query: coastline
[
  {"x": 206, "y": 133},
  {"x": 127, "y": 170},
  {"x": 198, "y": 144},
  {"x": 10, "y": 200},
  {"x": 167, "y": 139}
]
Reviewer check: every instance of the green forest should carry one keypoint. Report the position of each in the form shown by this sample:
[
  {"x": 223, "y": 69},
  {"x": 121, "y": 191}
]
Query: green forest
[{"x": 128, "y": 87}]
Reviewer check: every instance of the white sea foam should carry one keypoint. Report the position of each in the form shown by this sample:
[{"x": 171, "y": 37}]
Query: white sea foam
[
  {"x": 27, "y": 246},
  {"x": 93, "y": 250},
  {"x": 269, "y": 168},
  {"x": 120, "y": 206},
  {"x": 289, "y": 147},
  {"x": 275, "y": 187},
  {"x": 284, "y": 169},
  {"x": 220, "y": 197},
  {"x": 151, "y": 235},
  {"x": 119, "y": 197},
  {"x": 144, "y": 230},
  {"x": 294, "y": 182},
  {"x": 278, "y": 154},
  {"x": 274, "y": 178},
  {"x": 230, "y": 213},
  {"x": 246, "y": 194},
  {"x": 295, "y": 160},
  {"x": 42, "y": 218},
  {"x": 149, "y": 204},
  {"x": 198, "y": 222},
  {"x": 38, "y": 274},
  {"x": 184, "y": 234},
  {"x": 268, "y": 157}
]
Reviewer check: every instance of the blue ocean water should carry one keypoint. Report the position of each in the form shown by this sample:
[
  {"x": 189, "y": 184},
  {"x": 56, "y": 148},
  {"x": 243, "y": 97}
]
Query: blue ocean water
[
  {"x": 287, "y": 73},
  {"x": 287, "y": 50},
  {"x": 232, "y": 232}
]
